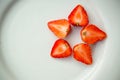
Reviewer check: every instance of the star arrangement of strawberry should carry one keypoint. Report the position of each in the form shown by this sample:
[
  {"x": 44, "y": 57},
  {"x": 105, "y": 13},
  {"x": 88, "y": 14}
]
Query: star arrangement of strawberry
[{"x": 90, "y": 34}]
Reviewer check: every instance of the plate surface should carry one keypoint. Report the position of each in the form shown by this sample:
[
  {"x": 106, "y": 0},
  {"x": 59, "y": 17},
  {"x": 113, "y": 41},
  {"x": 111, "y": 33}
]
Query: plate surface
[{"x": 26, "y": 42}]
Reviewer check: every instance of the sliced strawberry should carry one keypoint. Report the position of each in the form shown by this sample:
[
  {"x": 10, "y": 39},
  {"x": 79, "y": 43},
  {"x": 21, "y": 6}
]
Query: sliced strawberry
[
  {"x": 82, "y": 53},
  {"x": 61, "y": 49},
  {"x": 92, "y": 34},
  {"x": 60, "y": 27},
  {"x": 78, "y": 17}
]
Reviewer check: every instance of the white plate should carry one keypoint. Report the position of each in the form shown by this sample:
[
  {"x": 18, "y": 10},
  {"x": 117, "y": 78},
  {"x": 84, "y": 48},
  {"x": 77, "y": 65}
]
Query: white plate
[{"x": 26, "y": 41}]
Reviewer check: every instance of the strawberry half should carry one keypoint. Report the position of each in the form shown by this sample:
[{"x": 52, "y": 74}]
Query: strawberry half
[
  {"x": 82, "y": 53},
  {"x": 78, "y": 17},
  {"x": 60, "y": 27},
  {"x": 61, "y": 49},
  {"x": 92, "y": 34}
]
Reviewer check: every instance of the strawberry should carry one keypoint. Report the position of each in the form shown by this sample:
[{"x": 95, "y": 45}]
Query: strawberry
[
  {"x": 60, "y": 27},
  {"x": 82, "y": 53},
  {"x": 92, "y": 34},
  {"x": 61, "y": 49},
  {"x": 78, "y": 17}
]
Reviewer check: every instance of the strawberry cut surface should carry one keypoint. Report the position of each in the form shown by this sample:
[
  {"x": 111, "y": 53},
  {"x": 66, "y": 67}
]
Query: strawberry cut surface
[
  {"x": 82, "y": 52},
  {"x": 78, "y": 16},
  {"x": 92, "y": 34},
  {"x": 61, "y": 49},
  {"x": 60, "y": 28}
]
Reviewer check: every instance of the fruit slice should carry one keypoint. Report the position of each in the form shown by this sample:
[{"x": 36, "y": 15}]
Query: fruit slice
[
  {"x": 92, "y": 34},
  {"x": 60, "y": 27},
  {"x": 82, "y": 53},
  {"x": 78, "y": 17},
  {"x": 61, "y": 49}
]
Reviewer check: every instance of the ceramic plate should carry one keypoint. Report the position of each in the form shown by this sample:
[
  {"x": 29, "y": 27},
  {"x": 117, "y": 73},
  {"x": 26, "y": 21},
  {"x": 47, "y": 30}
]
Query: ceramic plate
[{"x": 26, "y": 41}]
